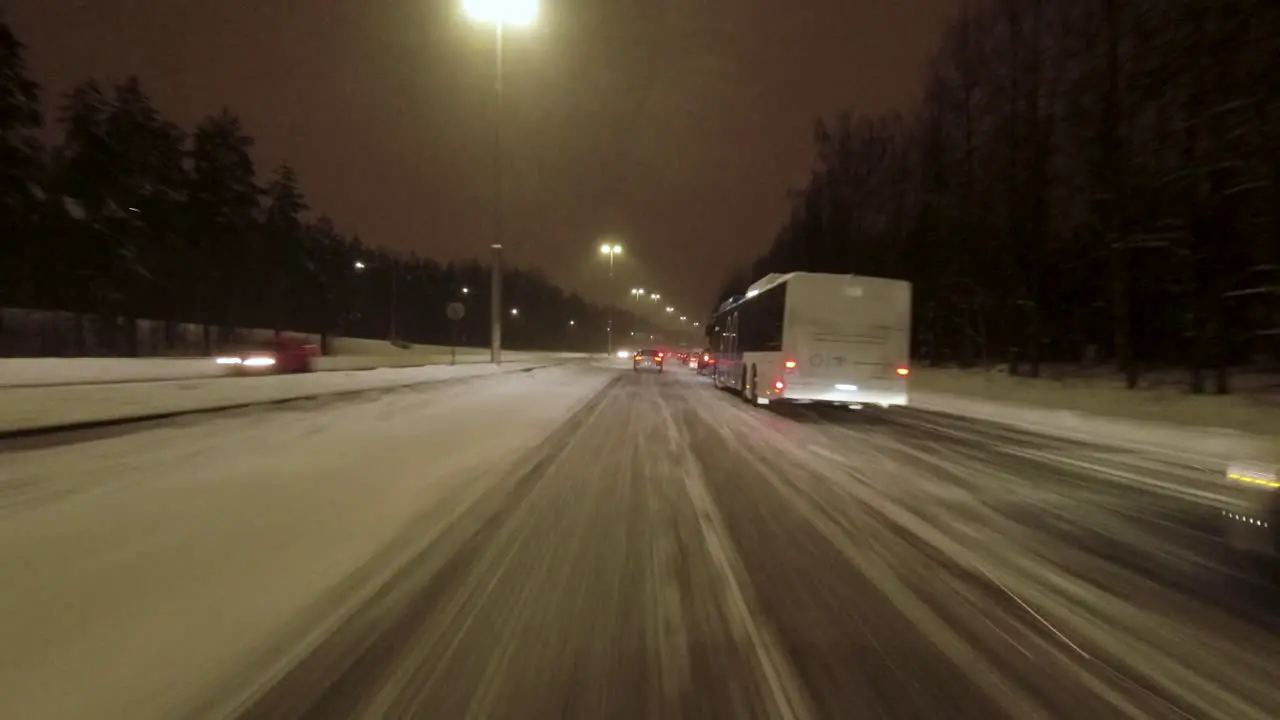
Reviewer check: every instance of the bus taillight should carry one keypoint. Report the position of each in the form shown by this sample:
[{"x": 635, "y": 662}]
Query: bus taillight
[
  {"x": 791, "y": 364},
  {"x": 903, "y": 371},
  {"x": 778, "y": 385}
]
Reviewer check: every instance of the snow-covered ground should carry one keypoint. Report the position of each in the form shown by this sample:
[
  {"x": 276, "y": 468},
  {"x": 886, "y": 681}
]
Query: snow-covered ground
[
  {"x": 65, "y": 371},
  {"x": 369, "y": 356},
  {"x": 139, "y": 569},
  {"x": 24, "y": 408},
  {"x": 1160, "y": 415}
]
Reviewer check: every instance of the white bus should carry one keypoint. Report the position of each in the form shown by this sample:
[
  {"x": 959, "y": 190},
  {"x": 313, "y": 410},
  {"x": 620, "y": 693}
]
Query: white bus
[{"x": 816, "y": 337}]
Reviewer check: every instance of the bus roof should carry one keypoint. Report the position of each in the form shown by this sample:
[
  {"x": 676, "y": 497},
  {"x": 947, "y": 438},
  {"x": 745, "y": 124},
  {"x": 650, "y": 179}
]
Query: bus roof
[{"x": 772, "y": 280}]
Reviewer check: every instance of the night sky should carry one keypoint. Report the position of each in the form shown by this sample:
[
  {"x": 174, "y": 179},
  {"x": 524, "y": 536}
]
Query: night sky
[{"x": 678, "y": 125}]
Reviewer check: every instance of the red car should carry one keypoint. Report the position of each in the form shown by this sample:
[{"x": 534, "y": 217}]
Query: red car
[{"x": 278, "y": 355}]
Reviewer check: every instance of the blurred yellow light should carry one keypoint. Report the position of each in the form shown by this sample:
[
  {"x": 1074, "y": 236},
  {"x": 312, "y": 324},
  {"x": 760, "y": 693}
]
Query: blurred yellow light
[{"x": 502, "y": 12}]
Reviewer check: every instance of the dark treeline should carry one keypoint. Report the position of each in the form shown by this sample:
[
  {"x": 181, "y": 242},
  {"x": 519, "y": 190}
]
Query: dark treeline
[
  {"x": 1083, "y": 179},
  {"x": 132, "y": 217}
]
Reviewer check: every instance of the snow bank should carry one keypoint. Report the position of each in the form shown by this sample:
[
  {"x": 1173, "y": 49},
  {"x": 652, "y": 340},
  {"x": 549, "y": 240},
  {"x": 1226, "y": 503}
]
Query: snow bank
[
  {"x": 63, "y": 371},
  {"x": 69, "y": 371},
  {"x": 27, "y": 408},
  {"x": 1158, "y": 416}
]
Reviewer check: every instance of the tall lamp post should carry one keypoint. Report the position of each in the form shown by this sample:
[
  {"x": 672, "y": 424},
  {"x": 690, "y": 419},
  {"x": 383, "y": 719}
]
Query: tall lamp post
[
  {"x": 612, "y": 250},
  {"x": 500, "y": 14}
]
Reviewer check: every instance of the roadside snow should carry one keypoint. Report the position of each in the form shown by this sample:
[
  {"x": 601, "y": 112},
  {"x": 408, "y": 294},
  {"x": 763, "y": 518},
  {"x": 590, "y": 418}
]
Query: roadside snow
[
  {"x": 259, "y": 524},
  {"x": 1159, "y": 416},
  {"x": 57, "y": 371},
  {"x": 68, "y": 371},
  {"x": 25, "y": 408}
]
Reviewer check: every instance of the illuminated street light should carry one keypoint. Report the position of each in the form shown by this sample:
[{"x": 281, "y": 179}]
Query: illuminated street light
[
  {"x": 655, "y": 297},
  {"x": 670, "y": 309},
  {"x": 499, "y": 13},
  {"x": 572, "y": 322},
  {"x": 465, "y": 289},
  {"x": 358, "y": 265},
  {"x": 612, "y": 249},
  {"x": 502, "y": 12},
  {"x": 515, "y": 311},
  {"x": 683, "y": 318}
]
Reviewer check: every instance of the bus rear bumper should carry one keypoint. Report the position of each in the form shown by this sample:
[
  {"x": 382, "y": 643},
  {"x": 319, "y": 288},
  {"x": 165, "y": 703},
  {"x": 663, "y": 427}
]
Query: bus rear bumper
[{"x": 836, "y": 395}]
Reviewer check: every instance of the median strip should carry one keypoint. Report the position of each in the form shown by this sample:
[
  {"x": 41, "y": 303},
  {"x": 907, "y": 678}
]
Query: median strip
[{"x": 34, "y": 411}]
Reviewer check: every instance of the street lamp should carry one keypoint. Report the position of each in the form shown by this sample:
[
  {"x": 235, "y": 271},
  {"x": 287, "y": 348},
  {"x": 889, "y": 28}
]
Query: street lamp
[
  {"x": 670, "y": 309},
  {"x": 500, "y": 14},
  {"x": 612, "y": 249},
  {"x": 515, "y": 311},
  {"x": 655, "y": 297},
  {"x": 571, "y": 322},
  {"x": 465, "y": 290}
]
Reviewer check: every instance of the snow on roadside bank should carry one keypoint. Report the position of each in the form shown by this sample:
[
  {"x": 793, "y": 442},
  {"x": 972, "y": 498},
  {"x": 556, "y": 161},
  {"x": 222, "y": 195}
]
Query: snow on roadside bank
[
  {"x": 1209, "y": 429},
  {"x": 24, "y": 408},
  {"x": 19, "y": 372}
]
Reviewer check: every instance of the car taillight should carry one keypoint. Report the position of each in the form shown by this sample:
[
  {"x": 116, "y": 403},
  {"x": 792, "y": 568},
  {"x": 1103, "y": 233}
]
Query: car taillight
[
  {"x": 778, "y": 385},
  {"x": 660, "y": 355},
  {"x": 903, "y": 371},
  {"x": 791, "y": 364}
]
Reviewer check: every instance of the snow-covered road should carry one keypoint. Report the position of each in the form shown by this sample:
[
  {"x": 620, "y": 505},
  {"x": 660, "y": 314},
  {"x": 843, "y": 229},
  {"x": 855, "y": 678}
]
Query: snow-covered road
[{"x": 586, "y": 542}]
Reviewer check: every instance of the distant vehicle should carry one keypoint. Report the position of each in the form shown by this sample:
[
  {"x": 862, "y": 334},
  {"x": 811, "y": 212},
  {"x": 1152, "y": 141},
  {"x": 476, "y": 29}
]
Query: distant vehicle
[
  {"x": 1251, "y": 519},
  {"x": 278, "y": 355},
  {"x": 648, "y": 360},
  {"x": 706, "y": 362},
  {"x": 816, "y": 338}
]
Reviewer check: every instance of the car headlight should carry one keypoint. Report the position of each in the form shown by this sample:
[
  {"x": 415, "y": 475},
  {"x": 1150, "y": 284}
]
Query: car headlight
[
  {"x": 623, "y": 353},
  {"x": 228, "y": 360}
]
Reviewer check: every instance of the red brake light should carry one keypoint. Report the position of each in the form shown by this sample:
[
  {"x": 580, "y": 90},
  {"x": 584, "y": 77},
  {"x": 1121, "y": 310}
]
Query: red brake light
[
  {"x": 660, "y": 354},
  {"x": 791, "y": 364},
  {"x": 904, "y": 371},
  {"x": 778, "y": 385}
]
